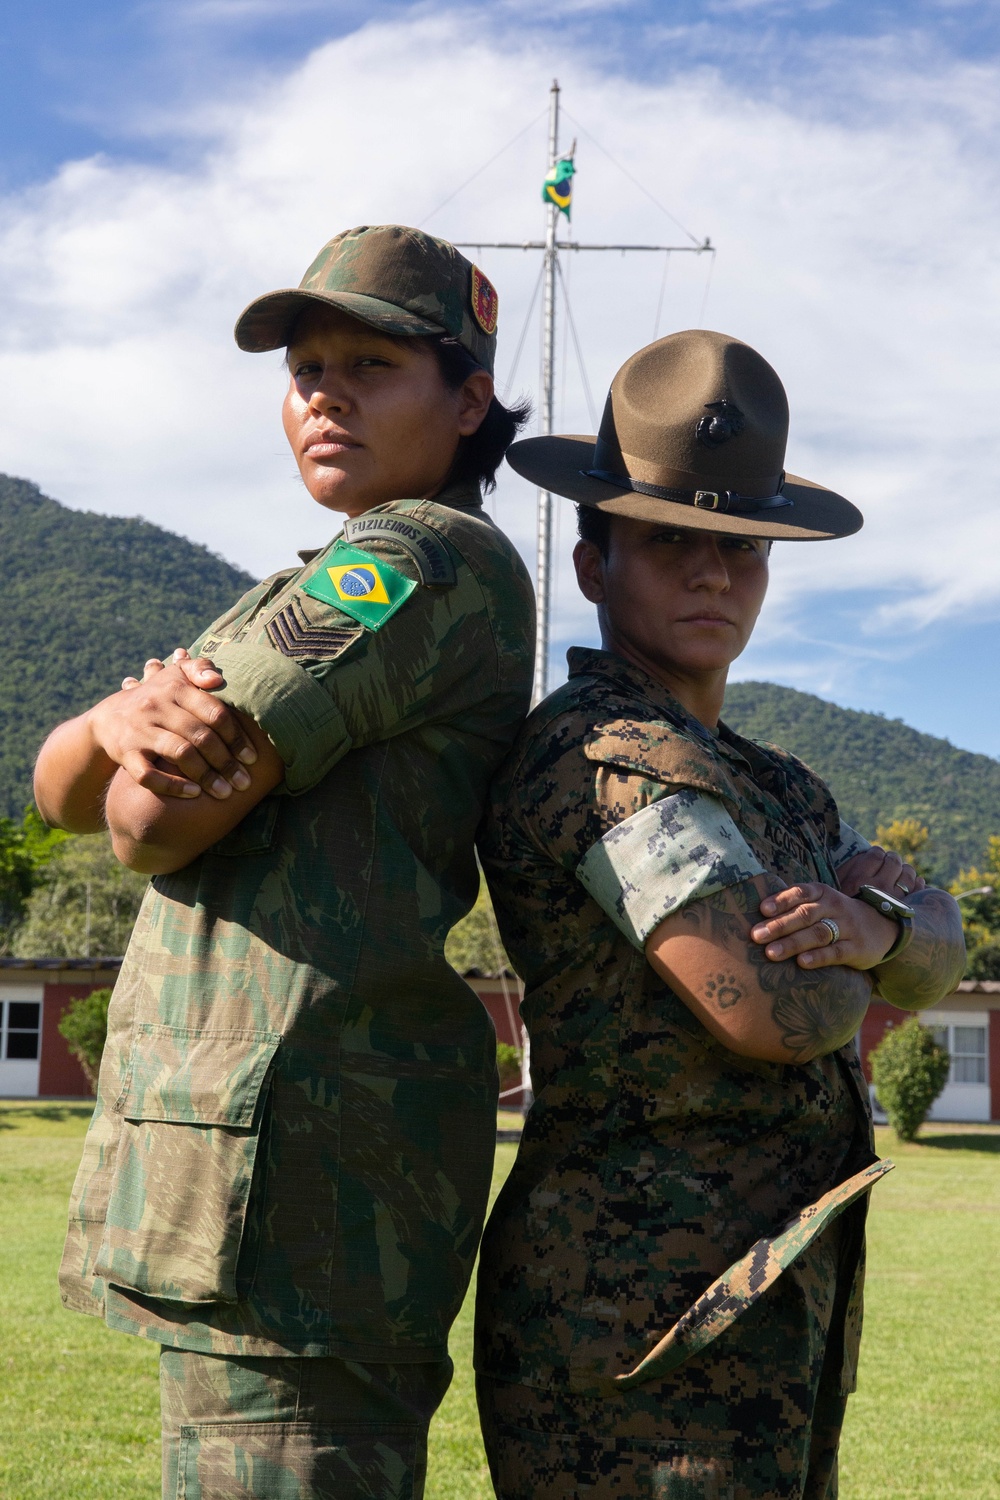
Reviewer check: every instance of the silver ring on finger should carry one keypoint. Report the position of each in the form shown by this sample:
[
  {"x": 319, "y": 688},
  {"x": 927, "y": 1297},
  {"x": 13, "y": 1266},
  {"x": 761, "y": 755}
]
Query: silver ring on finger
[
  {"x": 904, "y": 888},
  {"x": 834, "y": 930}
]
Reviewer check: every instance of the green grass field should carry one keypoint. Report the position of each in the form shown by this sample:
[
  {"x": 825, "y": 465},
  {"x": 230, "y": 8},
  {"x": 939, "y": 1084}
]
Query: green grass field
[{"x": 78, "y": 1405}]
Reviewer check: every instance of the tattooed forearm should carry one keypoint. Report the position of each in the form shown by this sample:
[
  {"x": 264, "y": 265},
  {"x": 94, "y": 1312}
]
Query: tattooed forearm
[
  {"x": 808, "y": 1013},
  {"x": 932, "y": 964},
  {"x": 757, "y": 1007},
  {"x": 815, "y": 1012}
]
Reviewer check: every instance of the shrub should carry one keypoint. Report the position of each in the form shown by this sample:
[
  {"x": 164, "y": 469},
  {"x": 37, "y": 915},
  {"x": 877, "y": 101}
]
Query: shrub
[
  {"x": 909, "y": 1070},
  {"x": 508, "y": 1065},
  {"x": 85, "y": 1026}
]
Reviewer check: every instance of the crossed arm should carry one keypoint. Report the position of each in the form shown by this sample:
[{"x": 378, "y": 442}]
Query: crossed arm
[
  {"x": 169, "y": 769},
  {"x": 164, "y": 765},
  {"x": 758, "y": 970}
]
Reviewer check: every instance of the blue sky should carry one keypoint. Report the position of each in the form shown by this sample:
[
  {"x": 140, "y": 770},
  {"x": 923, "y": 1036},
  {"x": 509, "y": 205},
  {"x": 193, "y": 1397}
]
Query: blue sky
[
  {"x": 75, "y": 77},
  {"x": 162, "y": 162}
]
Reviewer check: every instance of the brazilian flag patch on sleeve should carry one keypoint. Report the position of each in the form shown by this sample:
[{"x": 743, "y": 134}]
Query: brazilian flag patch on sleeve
[{"x": 359, "y": 585}]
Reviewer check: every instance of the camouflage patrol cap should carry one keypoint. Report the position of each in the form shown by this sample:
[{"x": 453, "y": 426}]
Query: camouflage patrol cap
[{"x": 399, "y": 280}]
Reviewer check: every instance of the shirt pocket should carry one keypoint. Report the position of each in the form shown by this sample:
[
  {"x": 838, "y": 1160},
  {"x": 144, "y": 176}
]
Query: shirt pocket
[{"x": 192, "y": 1111}]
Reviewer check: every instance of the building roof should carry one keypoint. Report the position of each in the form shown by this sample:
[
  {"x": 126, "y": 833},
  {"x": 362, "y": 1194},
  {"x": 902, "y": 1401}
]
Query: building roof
[{"x": 63, "y": 963}]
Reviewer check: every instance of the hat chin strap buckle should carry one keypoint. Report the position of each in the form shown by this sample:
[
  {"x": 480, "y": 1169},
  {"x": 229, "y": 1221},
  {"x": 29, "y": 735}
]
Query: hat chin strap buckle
[{"x": 720, "y": 500}]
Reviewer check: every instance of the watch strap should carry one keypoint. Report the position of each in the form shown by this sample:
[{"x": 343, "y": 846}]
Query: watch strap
[
  {"x": 903, "y": 940},
  {"x": 888, "y": 906}
]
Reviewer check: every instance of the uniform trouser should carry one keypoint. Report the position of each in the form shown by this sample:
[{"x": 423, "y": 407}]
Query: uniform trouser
[
  {"x": 755, "y": 1416},
  {"x": 544, "y": 1445},
  {"x": 295, "y": 1429}
]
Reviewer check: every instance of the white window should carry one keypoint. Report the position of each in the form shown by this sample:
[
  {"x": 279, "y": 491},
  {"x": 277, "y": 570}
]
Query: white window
[
  {"x": 20, "y": 1039},
  {"x": 966, "y": 1095},
  {"x": 20, "y": 1024},
  {"x": 967, "y": 1045}
]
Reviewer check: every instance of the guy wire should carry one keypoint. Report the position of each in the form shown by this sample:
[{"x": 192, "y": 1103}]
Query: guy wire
[
  {"x": 523, "y": 336},
  {"x": 591, "y": 408},
  {"x": 479, "y": 170}
]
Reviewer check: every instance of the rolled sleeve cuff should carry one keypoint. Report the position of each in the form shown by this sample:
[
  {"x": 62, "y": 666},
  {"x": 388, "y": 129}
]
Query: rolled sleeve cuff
[
  {"x": 676, "y": 850},
  {"x": 298, "y": 716}
]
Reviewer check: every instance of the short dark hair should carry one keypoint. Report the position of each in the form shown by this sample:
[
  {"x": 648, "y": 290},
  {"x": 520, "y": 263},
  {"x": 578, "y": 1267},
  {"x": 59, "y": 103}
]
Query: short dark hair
[
  {"x": 481, "y": 453},
  {"x": 594, "y": 525}
]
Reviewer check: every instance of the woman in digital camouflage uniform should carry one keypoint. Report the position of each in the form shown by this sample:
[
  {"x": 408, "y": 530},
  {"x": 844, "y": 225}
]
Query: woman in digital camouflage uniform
[
  {"x": 286, "y": 1175},
  {"x": 669, "y": 1305}
]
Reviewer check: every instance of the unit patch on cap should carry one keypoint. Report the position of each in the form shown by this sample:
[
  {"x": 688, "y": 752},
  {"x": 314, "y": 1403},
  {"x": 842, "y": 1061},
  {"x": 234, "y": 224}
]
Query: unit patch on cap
[
  {"x": 485, "y": 302},
  {"x": 354, "y": 582}
]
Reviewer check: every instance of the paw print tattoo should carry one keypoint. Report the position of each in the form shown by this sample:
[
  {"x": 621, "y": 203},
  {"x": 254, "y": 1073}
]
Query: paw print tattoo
[{"x": 723, "y": 990}]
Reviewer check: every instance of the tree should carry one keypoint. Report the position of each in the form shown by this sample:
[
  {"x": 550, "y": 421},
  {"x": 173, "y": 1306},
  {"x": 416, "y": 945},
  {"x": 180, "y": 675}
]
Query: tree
[
  {"x": 984, "y": 961},
  {"x": 909, "y": 1070},
  {"x": 909, "y": 838},
  {"x": 25, "y": 849},
  {"x": 84, "y": 1024},
  {"x": 981, "y": 912},
  {"x": 474, "y": 943},
  {"x": 86, "y": 905}
]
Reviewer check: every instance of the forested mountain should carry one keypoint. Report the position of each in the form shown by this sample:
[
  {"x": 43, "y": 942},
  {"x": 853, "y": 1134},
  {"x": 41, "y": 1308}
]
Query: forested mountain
[
  {"x": 880, "y": 769},
  {"x": 85, "y": 599}
]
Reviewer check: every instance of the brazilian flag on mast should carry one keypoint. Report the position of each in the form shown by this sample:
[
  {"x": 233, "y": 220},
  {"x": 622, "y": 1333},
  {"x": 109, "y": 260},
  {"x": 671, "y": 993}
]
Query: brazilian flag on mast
[{"x": 558, "y": 185}]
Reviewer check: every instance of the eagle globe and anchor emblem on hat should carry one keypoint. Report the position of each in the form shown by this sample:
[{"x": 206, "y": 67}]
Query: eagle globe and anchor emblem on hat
[{"x": 693, "y": 435}]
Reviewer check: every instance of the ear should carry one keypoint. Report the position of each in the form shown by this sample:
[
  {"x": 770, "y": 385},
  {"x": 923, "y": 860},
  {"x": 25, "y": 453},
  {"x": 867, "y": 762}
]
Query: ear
[
  {"x": 474, "y": 398},
  {"x": 589, "y": 565}
]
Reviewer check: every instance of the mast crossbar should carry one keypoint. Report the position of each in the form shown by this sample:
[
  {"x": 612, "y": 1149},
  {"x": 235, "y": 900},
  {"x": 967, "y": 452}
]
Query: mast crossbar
[{"x": 572, "y": 245}]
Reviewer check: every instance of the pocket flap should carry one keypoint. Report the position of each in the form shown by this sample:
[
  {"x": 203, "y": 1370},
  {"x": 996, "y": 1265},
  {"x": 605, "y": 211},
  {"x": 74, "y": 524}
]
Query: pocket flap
[{"x": 197, "y": 1077}]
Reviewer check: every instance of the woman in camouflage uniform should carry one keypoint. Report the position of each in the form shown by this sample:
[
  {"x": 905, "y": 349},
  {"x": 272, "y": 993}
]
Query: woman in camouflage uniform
[
  {"x": 669, "y": 1305},
  {"x": 286, "y": 1174}
]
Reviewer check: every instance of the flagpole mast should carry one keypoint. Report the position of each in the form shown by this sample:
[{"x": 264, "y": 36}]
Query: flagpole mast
[
  {"x": 543, "y": 569},
  {"x": 551, "y": 246}
]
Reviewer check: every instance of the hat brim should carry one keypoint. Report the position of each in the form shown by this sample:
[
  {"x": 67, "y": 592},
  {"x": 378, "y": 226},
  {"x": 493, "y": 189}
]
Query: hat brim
[
  {"x": 269, "y": 320},
  {"x": 559, "y": 464}
]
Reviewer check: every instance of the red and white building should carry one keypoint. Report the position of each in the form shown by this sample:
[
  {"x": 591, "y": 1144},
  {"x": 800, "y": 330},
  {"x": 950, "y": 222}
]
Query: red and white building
[
  {"x": 36, "y": 1063},
  {"x": 968, "y": 1024}
]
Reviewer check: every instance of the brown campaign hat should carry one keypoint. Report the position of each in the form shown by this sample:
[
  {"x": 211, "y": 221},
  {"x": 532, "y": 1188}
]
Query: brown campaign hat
[
  {"x": 693, "y": 434},
  {"x": 399, "y": 280}
]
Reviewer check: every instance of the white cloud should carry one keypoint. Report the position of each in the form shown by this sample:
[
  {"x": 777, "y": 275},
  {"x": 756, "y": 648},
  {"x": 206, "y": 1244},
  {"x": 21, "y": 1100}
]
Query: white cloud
[{"x": 857, "y": 255}]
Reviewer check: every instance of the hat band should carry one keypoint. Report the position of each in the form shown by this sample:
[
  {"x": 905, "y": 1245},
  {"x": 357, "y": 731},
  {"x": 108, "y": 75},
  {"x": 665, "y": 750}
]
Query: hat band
[{"x": 728, "y": 501}]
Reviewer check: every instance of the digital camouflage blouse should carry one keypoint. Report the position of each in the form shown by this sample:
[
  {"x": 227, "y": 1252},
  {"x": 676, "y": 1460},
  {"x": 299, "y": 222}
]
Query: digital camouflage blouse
[{"x": 653, "y": 1157}]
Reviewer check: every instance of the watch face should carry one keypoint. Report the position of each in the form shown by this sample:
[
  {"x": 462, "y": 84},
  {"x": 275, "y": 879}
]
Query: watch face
[{"x": 884, "y": 903}]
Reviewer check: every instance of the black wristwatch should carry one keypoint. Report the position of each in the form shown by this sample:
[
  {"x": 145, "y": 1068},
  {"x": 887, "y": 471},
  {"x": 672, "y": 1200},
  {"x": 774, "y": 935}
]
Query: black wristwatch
[{"x": 890, "y": 907}]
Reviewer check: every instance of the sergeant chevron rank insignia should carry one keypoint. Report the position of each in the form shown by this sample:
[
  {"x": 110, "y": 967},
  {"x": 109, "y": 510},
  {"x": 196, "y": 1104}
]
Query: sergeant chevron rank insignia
[{"x": 354, "y": 582}]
